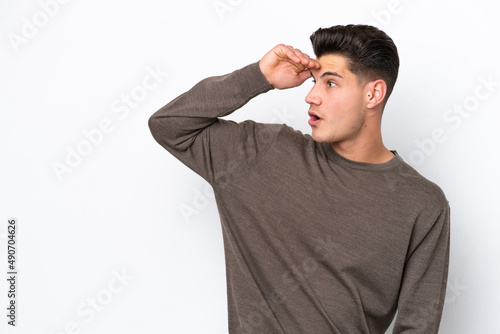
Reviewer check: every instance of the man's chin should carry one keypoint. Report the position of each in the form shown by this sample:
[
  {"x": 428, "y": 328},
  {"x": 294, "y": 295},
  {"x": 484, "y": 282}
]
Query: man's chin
[{"x": 319, "y": 138}]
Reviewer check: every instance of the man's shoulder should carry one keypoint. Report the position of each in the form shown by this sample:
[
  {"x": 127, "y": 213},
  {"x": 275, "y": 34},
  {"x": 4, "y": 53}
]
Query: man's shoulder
[
  {"x": 421, "y": 188},
  {"x": 295, "y": 135},
  {"x": 286, "y": 135}
]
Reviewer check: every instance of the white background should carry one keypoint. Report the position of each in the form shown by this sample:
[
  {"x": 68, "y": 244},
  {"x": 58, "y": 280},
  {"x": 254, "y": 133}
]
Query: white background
[{"x": 128, "y": 209}]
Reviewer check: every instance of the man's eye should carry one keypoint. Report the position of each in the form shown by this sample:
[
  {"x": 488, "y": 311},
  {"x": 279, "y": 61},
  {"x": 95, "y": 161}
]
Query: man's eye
[{"x": 331, "y": 84}]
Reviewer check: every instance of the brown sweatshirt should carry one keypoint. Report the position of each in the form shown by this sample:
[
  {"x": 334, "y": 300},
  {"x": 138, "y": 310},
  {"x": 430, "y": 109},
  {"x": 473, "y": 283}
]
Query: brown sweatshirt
[{"x": 314, "y": 243}]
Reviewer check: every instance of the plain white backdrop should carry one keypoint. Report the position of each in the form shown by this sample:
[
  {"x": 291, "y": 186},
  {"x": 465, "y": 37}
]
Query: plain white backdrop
[{"x": 116, "y": 236}]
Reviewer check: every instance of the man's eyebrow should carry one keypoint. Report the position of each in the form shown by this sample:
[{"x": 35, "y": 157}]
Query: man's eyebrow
[
  {"x": 327, "y": 73},
  {"x": 336, "y": 74}
]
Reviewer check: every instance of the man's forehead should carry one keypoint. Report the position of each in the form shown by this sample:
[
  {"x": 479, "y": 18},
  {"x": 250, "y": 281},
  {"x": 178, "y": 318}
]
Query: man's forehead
[{"x": 332, "y": 63}]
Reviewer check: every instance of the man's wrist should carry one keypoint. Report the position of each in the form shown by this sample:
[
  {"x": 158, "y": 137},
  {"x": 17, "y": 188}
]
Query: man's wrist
[{"x": 261, "y": 71}]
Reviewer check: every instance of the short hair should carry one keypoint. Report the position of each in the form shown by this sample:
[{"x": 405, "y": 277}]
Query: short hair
[{"x": 370, "y": 52}]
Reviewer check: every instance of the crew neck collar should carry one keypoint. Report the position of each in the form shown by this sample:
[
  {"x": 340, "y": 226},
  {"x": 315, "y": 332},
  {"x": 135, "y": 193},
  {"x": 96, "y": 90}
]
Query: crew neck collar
[{"x": 333, "y": 155}]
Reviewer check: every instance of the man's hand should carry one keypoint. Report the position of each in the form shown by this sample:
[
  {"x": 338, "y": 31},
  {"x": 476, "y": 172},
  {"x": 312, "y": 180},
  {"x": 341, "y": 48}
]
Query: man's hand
[{"x": 286, "y": 67}]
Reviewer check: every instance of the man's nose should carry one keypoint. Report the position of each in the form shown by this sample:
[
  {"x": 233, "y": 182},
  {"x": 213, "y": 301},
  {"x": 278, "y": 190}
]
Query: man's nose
[{"x": 313, "y": 96}]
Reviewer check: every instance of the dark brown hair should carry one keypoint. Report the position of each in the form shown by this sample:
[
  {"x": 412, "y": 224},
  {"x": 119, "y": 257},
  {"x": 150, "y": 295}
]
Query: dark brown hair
[{"x": 371, "y": 53}]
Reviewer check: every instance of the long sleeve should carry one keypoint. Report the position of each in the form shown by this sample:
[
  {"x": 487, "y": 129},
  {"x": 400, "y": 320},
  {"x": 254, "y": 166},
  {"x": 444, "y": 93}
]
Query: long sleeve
[
  {"x": 423, "y": 288},
  {"x": 189, "y": 126}
]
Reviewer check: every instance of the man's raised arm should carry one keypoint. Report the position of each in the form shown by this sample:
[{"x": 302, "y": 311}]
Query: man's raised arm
[{"x": 189, "y": 126}]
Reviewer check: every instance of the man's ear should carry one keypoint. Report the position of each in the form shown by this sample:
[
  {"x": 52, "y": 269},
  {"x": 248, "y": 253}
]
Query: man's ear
[{"x": 375, "y": 93}]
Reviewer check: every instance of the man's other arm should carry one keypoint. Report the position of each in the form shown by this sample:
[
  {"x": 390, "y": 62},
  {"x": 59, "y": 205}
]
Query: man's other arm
[{"x": 423, "y": 288}]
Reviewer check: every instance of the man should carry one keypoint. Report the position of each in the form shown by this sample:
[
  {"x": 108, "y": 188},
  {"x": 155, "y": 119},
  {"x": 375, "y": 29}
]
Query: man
[{"x": 329, "y": 233}]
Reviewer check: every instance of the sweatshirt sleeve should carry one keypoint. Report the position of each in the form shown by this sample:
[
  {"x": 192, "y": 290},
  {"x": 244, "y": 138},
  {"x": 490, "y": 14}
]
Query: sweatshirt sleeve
[
  {"x": 189, "y": 126},
  {"x": 423, "y": 288}
]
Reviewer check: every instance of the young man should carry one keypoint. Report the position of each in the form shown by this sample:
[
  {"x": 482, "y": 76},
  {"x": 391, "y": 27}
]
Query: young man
[{"x": 329, "y": 233}]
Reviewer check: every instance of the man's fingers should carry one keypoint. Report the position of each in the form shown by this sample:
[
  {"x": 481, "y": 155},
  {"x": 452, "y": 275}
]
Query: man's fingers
[
  {"x": 286, "y": 67},
  {"x": 311, "y": 63},
  {"x": 314, "y": 64},
  {"x": 301, "y": 58},
  {"x": 304, "y": 75},
  {"x": 291, "y": 54}
]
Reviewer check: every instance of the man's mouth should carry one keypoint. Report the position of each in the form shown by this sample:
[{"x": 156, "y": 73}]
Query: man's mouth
[{"x": 314, "y": 119}]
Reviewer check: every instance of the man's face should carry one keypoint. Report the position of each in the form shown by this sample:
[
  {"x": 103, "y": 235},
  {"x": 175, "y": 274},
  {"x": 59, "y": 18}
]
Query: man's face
[{"x": 336, "y": 101}]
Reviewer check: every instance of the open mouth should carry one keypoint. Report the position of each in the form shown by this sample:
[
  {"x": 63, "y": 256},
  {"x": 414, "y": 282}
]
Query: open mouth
[{"x": 315, "y": 119}]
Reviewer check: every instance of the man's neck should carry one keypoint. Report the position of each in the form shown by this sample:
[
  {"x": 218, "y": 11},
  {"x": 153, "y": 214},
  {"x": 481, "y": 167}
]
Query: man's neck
[{"x": 372, "y": 151}]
